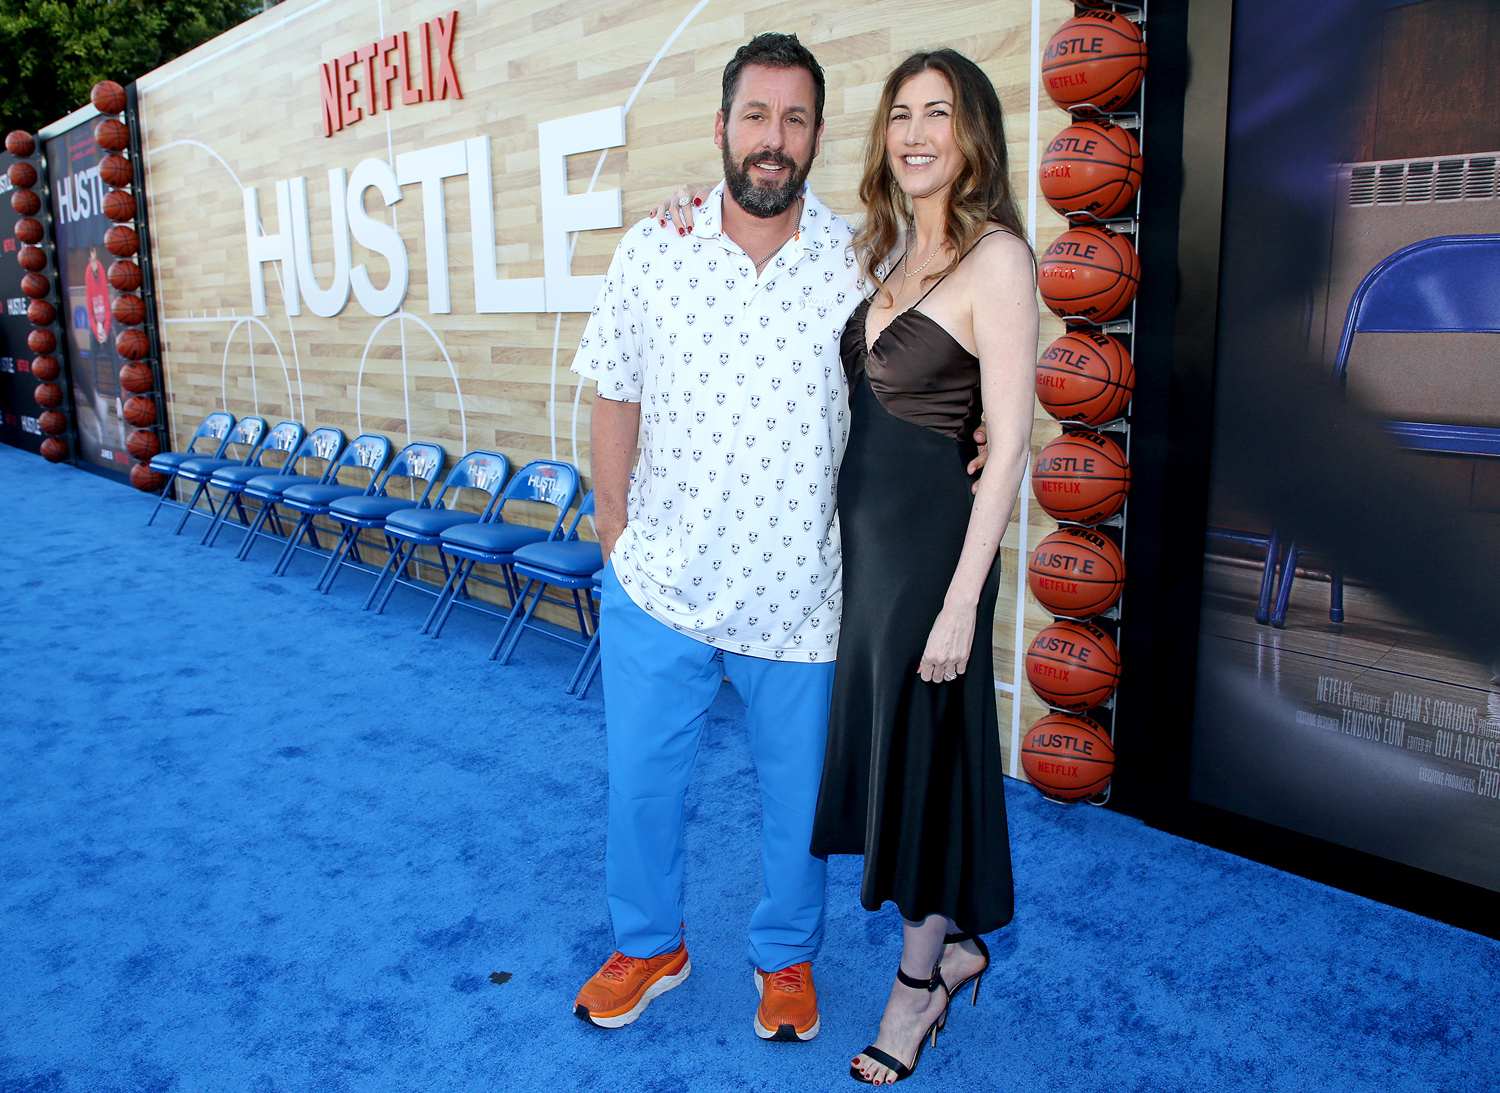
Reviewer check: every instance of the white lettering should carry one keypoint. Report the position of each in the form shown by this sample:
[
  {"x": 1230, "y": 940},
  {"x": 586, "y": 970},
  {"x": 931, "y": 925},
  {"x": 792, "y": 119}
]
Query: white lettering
[
  {"x": 271, "y": 248},
  {"x": 378, "y": 236},
  {"x": 563, "y": 212},
  {"x": 430, "y": 166},
  {"x": 325, "y": 302}
]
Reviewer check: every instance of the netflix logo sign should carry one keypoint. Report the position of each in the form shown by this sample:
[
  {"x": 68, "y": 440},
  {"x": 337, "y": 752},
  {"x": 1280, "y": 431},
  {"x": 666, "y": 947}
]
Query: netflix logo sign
[{"x": 360, "y": 82}]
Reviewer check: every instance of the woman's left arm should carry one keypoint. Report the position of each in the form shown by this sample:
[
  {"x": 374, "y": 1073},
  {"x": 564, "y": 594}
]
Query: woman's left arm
[{"x": 1001, "y": 289}]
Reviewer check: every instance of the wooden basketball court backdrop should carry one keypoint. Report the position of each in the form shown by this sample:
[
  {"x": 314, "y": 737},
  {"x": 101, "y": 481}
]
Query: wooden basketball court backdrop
[{"x": 249, "y": 110}]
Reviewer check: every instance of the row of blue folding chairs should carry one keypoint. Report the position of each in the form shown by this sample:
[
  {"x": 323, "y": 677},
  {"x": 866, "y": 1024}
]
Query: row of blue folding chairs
[{"x": 230, "y": 457}]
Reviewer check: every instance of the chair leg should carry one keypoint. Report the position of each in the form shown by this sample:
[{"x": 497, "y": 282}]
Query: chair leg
[
  {"x": 1336, "y": 597},
  {"x": 187, "y": 510},
  {"x": 1268, "y": 579},
  {"x": 583, "y": 662},
  {"x": 254, "y": 531},
  {"x": 513, "y": 630},
  {"x": 591, "y": 658},
  {"x": 303, "y": 523},
  {"x": 461, "y": 578},
  {"x": 443, "y": 594},
  {"x": 336, "y": 559},
  {"x": 1284, "y": 593},
  {"x": 216, "y": 525},
  {"x": 386, "y": 570},
  {"x": 161, "y": 498}
]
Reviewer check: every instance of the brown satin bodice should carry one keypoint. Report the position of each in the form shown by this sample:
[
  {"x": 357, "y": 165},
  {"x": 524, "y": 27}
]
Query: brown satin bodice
[{"x": 917, "y": 370}]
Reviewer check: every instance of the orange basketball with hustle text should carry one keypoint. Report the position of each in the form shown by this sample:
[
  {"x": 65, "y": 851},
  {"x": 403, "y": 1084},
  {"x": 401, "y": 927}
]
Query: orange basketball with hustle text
[
  {"x": 1081, "y": 478},
  {"x": 112, "y": 135},
  {"x": 1076, "y": 573},
  {"x": 29, "y": 230},
  {"x": 108, "y": 97},
  {"x": 41, "y": 342},
  {"x": 1073, "y": 665},
  {"x": 35, "y": 285},
  {"x": 41, "y": 313},
  {"x": 128, "y": 309},
  {"x": 1085, "y": 376},
  {"x": 1094, "y": 60},
  {"x": 119, "y": 205},
  {"x": 32, "y": 259},
  {"x": 48, "y": 395},
  {"x": 25, "y": 202},
  {"x": 121, "y": 241},
  {"x": 1068, "y": 756},
  {"x": 124, "y": 275},
  {"x": 21, "y": 174},
  {"x": 137, "y": 378},
  {"x": 1089, "y": 273},
  {"x": 46, "y": 368},
  {"x": 132, "y": 344},
  {"x": 1091, "y": 167},
  {"x": 20, "y": 143}
]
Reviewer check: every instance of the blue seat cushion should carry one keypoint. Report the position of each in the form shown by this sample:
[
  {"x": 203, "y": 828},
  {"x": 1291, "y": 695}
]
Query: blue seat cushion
[
  {"x": 168, "y": 462},
  {"x": 315, "y": 496},
  {"x": 368, "y": 508},
  {"x": 428, "y": 522},
  {"x": 230, "y": 477},
  {"x": 575, "y": 559},
  {"x": 269, "y": 486},
  {"x": 492, "y": 538},
  {"x": 203, "y": 466}
]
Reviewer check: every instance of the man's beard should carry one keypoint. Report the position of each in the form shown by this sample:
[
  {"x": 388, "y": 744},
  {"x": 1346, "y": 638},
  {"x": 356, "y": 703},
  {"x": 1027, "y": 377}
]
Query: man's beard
[{"x": 760, "y": 200}]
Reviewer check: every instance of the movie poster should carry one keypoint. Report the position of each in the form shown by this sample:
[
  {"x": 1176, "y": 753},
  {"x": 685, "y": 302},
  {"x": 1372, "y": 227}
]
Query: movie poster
[
  {"x": 79, "y": 224},
  {"x": 18, "y": 410},
  {"x": 1370, "y": 731}
]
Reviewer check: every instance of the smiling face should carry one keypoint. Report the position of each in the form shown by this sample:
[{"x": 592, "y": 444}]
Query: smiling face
[
  {"x": 920, "y": 147},
  {"x": 769, "y": 138}
]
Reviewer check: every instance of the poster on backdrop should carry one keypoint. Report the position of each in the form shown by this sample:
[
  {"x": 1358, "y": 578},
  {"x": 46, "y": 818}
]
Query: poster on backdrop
[
  {"x": 78, "y": 225},
  {"x": 18, "y": 409},
  {"x": 1321, "y": 708}
]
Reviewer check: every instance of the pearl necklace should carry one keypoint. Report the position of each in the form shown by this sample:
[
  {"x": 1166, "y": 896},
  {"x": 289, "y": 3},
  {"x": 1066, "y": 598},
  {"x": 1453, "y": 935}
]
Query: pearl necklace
[{"x": 905, "y": 272}]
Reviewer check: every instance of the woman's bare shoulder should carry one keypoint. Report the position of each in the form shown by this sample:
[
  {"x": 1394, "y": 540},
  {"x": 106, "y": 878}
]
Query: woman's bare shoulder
[{"x": 1000, "y": 258}]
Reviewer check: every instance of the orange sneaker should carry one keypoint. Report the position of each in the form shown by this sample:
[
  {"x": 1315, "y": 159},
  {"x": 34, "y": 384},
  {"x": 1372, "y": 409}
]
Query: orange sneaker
[
  {"x": 788, "y": 1004},
  {"x": 617, "y": 993}
]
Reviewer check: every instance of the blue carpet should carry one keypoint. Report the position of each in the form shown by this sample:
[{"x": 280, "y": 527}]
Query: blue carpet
[{"x": 257, "y": 840}]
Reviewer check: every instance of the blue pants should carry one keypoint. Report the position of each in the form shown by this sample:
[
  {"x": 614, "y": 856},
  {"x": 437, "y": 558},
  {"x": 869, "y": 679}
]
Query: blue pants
[{"x": 658, "y": 686}]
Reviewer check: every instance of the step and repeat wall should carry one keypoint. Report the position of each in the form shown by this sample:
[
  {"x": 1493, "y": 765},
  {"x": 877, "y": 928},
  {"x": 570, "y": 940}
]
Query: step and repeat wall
[{"x": 392, "y": 217}]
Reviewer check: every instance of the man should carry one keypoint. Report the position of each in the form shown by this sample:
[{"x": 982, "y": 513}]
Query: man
[{"x": 716, "y": 352}]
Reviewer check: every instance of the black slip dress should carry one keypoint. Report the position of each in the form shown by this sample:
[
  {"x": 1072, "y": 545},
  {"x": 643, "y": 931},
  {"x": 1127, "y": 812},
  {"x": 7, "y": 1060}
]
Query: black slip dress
[{"x": 912, "y": 778}]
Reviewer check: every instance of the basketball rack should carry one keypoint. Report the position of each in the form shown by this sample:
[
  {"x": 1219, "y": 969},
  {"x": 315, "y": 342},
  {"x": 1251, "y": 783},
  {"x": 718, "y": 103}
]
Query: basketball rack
[{"x": 1122, "y": 327}]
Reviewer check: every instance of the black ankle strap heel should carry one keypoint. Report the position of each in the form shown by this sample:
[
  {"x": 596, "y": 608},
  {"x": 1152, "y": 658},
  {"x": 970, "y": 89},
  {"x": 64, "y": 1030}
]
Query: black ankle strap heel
[
  {"x": 891, "y": 1063},
  {"x": 984, "y": 951}
]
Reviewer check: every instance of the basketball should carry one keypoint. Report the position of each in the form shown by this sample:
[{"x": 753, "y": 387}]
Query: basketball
[
  {"x": 108, "y": 97},
  {"x": 46, "y": 368},
  {"x": 128, "y": 309},
  {"x": 1085, "y": 376},
  {"x": 142, "y": 477},
  {"x": 132, "y": 344},
  {"x": 1091, "y": 167},
  {"x": 30, "y": 231},
  {"x": 112, "y": 135},
  {"x": 20, "y": 143},
  {"x": 119, "y": 205},
  {"x": 1096, "y": 59},
  {"x": 54, "y": 449},
  {"x": 1073, "y": 665},
  {"x": 140, "y": 412},
  {"x": 32, "y": 258},
  {"x": 1081, "y": 478},
  {"x": 137, "y": 378},
  {"x": 52, "y": 422},
  {"x": 1076, "y": 573},
  {"x": 48, "y": 395},
  {"x": 115, "y": 170},
  {"x": 41, "y": 313},
  {"x": 1090, "y": 274},
  {"x": 25, "y": 202},
  {"x": 121, "y": 241},
  {"x": 124, "y": 276},
  {"x": 1068, "y": 756},
  {"x": 21, "y": 174},
  {"x": 41, "y": 342},
  {"x": 142, "y": 444},
  {"x": 35, "y": 285}
]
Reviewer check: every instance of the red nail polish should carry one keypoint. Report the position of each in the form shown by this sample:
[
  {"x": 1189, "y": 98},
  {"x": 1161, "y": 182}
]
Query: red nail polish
[
  {"x": 697, "y": 201},
  {"x": 681, "y": 231},
  {"x": 664, "y": 223}
]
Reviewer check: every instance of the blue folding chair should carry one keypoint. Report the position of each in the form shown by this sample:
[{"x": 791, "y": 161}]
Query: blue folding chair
[
  {"x": 568, "y": 563},
  {"x": 583, "y": 675},
  {"x": 214, "y": 427},
  {"x": 368, "y": 451},
  {"x": 249, "y": 434},
  {"x": 1449, "y": 284},
  {"x": 483, "y": 472},
  {"x": 495, "y": 543},
  {"x": 417, "y": 462},
  {"x": 284, "y": 437},
  {"x": 324, "y": 443}
]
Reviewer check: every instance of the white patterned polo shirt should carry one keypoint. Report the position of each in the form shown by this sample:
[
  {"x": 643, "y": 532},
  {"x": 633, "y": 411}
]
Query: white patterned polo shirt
[{"x": 731, "y": 535}]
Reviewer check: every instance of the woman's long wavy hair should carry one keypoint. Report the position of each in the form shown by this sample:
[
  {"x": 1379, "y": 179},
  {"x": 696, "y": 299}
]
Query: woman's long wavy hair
[{"x": 981, "y": 193}]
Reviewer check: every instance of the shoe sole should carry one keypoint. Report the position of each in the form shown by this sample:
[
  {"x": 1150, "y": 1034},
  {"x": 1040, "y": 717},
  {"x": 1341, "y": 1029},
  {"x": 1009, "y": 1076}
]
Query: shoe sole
[
  {"x": 782, "y": 1033},
  {"x": 655, "y": 990}
]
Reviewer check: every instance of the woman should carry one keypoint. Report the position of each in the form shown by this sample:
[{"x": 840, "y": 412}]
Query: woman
[{"x": 913, "y": 777}]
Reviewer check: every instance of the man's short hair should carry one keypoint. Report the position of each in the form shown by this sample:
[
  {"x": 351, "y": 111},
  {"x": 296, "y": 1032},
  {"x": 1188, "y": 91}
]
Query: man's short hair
[{"x": 773, "y": 51}]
